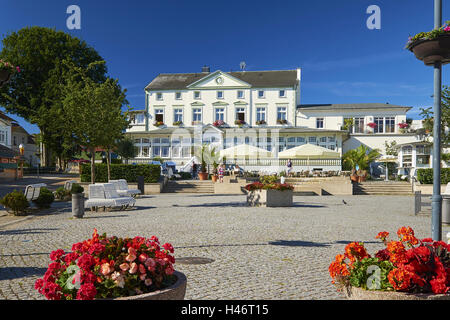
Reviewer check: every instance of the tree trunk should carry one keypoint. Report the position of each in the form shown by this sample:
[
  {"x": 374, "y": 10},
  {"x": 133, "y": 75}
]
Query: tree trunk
[
  {"x": 92, "y": 165},
  {"x": 108, "y": 163}
]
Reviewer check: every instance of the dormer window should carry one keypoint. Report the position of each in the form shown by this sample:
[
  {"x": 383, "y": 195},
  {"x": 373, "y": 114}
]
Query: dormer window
[
  {"x": 159, "y": 96},
  {"x": 178, "y": 95}
]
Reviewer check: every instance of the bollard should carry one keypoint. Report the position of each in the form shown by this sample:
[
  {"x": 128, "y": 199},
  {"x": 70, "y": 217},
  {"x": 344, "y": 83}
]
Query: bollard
[
  {"x": 141, "y": 184},
  {"x": 78, "y": 205}
]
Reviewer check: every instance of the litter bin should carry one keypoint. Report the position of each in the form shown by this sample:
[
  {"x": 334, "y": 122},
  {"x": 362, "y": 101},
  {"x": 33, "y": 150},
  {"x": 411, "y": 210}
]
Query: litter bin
[
  {"x": 446, "y": 208},
  {"x": 141, "y": 184},
  {"x": 78, "y": 205}
]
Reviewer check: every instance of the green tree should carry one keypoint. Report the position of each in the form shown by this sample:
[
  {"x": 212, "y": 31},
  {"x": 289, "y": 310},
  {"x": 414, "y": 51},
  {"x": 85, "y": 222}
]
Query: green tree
[
  {"x": 93, "y": 111},
  {"x": 126, "y": 149},
  {"x": 35, "y": 93},
  {"x": 428, "y": 116},
  {"x": 362, "y": 157}
]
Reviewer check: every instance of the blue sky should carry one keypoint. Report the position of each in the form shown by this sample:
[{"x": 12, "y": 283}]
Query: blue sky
[{"x": 342, "y": 60}]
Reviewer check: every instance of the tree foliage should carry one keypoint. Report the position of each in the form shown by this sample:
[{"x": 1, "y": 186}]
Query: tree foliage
[{"x": 361, "y": 157}]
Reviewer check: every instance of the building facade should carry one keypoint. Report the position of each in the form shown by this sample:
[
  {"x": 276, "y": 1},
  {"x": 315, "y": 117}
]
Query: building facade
[{"x": 259, "y": 108}]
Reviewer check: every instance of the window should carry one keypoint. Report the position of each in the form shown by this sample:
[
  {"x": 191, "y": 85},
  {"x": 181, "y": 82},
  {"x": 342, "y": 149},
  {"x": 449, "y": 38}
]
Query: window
[
  {"x": 219, "y": 94},
  {"x": 178, "y": 95},
  {"x": 159, "y": 115},
  {"x": 282, "y": 93},
  {"x": 260, "y": 114},
  {"x": 240, "y": 94},
  {"x": 358, "y": 125},
  {"x": 219, "y": 114},
  {"x": 319, "y": 123},
  {"x": 159, "y": 96},
  {"x": 312, "y": 140},
  {"x": 196, "y": 95},
  {"x": 300, "y": 140},
  {"x": 178, "y": 115},
  {"x": 281, "y": 113},
  {"x": 240, "y": 114},
  {"x": 323, "y": 139},
  {"x": 261, "y": 94},
  {"x": 389, "y": 124},
  {"x": 197, "y": 115},
  {"x": 379, "y": 125},
  {"x": 145, "y": 152},
  {"x": 140, "y": 118},
  {"x": 2, "y": 136}
]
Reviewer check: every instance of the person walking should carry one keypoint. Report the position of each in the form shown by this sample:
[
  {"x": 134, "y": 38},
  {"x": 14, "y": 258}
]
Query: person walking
[
  {"x": 289, "y": 167},
  {"x": 221, "y": 172},
  {"x": 194, "y": 170}
]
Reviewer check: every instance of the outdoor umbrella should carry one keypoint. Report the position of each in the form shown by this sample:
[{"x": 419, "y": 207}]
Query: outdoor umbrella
[
  {"x": 245, "y": 151},
  {"x": 309, "y": 151}
]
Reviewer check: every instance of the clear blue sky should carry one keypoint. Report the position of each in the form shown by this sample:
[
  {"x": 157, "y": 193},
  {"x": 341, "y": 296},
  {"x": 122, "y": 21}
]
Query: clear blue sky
[{"x": 342, "y": 60}]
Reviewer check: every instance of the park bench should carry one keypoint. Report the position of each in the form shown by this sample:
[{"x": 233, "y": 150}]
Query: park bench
[
  {"x": 122, "y": 188},
  {"x": 33, "y": 191},
  {"x": 105, "y": 195}
]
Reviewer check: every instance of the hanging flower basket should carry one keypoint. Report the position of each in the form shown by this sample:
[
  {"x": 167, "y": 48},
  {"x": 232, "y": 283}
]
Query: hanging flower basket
[{"x": 431, "y": 47}]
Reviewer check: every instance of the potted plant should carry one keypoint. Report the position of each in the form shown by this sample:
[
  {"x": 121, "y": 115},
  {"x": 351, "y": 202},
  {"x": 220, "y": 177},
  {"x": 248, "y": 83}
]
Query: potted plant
[
  {"x": 15, "y": 202},
  {"x": 431, "y": 47},
  {"x": 269, "y": 194},
  {"x": 372, "y": 126},
  {"x": 261, "y": 122},
  {"x": 403, "y": 127},
  {"x": 178, "y": 123},
  {"x": 219, "y": 123},
  {"x": 281, "y": 121},
  {"x": 239, "y": 123},
  {"x": 158, "y": 123},
  {"x": 77, "y": 200},
  {"x": 406, "y": 269},
  {"x": 113, "y": 268},
  {"x": 6, "y": 70},
  {"x": 203, "y": 175}
]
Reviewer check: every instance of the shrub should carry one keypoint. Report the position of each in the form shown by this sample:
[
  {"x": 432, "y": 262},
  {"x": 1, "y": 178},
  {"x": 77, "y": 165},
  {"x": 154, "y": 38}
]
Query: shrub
[
  {"x": 425, "y": 176},
  {"x": 62, "y": 194},
  {"x": 76, "y": 188},
  {"x": 129, "y": 172},
  {"x": 268, "y": 179},
  {"x": 16, "y": 201},
  {"x": 45, "y": 199}
]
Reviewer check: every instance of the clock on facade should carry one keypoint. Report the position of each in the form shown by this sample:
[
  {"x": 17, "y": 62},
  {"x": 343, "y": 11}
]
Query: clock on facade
[{"x": 219, "y": 80}]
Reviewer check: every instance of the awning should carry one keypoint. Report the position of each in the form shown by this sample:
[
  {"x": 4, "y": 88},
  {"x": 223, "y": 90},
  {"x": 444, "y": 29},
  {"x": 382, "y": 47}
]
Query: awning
[
  {"x": 245, "y": 151},
  {"x": 309, "y": 151}
]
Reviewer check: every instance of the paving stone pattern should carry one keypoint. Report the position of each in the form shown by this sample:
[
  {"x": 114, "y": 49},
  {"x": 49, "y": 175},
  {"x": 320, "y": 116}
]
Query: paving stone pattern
[{"x": 257, "y": 253}]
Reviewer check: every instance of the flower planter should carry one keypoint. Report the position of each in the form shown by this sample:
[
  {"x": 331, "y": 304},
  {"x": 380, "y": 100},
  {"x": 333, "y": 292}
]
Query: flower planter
[
  {"x": 270, "y": 198},
  {"x": 176, "y": 291},
  {"x": 214, "y": 178},
  {"x": 354, "y": 178},
  {"x": 203, "y": 175},
  {"x": 431, "y": 51},
  {"x": 354, "y": 293}
]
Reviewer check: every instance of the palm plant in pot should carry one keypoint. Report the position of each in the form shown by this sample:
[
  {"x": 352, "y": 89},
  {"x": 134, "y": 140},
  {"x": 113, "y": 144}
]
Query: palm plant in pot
[
  {"x": 431, "y": 47},
  {"x": 203, "y": 175},
  {"x": 359, "y": 160}
]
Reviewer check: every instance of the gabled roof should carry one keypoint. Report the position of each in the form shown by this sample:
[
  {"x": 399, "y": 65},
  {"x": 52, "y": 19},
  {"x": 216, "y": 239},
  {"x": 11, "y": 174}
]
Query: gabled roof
[
  {"x": 257, "y": 79},
  {"x": 349, "y": 106},
  {"x": 6, "y": 152}
]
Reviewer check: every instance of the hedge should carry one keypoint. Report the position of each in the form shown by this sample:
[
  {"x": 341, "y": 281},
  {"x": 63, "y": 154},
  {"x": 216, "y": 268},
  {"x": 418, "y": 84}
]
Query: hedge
[
  {"x": 425, "y": 176},
  {"x": 129, "y": 172}
]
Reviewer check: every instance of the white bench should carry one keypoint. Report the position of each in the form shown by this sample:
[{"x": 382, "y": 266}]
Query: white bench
[
  {"x": 33, "y": 191},
  {"x": 122, "y": 188},
  {"x": 105, "y": 195}
]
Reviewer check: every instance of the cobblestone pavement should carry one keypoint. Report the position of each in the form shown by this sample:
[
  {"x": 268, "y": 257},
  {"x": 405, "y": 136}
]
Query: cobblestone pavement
[{"x": 258, "y": 253}]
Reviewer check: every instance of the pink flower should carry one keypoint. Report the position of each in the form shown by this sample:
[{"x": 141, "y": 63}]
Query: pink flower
[
  {"x": 130, "y": 257},
  {"x": 143, "y": 257},
  {"x": 105, "y": 269},
  {"x": 150, "y": 263},
  {"x": 124, "y": 266},
  {"x": 142, "y": 269},
  {"x": 132, "y": 251},
  {"x": 447, "y": 28},
  {"x": 133, "y": 268},
  {"x": 148, "y": 282},
  {"x": 118, "y": 279},
  {"x": 143, "y": 276},
  {"x": 169, "y": 270}
]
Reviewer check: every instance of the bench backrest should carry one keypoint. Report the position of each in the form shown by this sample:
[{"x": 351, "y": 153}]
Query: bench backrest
[
  {"x": 110, "y": 191},
  {"x": 32, "y": 191},
  {"x": 116, "y": 184},
  {"x": 96, "y": 191},
  {"x": 123, "y": 184}
]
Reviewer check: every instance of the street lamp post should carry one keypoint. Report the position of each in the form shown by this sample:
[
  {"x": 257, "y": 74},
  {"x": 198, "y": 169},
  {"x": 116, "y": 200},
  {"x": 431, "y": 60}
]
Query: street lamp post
[{"x": 436, "y": 219}]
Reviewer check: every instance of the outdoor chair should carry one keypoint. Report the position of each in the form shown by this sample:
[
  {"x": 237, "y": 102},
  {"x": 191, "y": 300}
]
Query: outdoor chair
[
  {"x": 124, "y": 186},
  {"x": 105, "y": 195},
  {"x": 32, "y": 191}
]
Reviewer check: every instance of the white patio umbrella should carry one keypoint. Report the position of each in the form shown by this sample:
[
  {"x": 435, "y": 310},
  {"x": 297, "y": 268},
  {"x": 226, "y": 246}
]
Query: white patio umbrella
[
  {"x": 309, "y": 151},
  {"x": 245, "y": 151}
]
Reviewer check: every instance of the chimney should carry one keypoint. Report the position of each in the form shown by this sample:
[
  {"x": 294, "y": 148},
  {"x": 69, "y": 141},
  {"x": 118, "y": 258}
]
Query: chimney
[{"x": 205, "y": 69}]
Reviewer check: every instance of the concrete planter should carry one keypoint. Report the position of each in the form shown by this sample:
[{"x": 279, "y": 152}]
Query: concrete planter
[
  {"x": 354, "y": 293},
  {"x": 270, "y": 198},
  {"x": 176, "y": 291},
  {"x": 78, "y": 205}
]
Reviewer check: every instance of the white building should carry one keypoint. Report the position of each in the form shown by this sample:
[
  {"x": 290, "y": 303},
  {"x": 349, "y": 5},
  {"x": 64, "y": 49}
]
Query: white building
[{"x": 261, "y": 108}]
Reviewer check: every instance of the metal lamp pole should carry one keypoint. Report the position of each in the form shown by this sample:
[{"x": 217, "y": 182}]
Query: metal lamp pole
[{"x": 436, "y": 219}]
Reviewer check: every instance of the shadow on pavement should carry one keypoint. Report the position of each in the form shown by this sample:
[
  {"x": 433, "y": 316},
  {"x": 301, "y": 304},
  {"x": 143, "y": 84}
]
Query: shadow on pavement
[
  {"x": 11, "y": 273},
  {"x": 26, "y": 231}
]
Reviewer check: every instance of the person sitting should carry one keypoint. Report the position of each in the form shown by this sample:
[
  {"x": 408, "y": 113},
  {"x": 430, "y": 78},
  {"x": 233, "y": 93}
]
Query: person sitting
[{"x": 237, "y": 171}]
